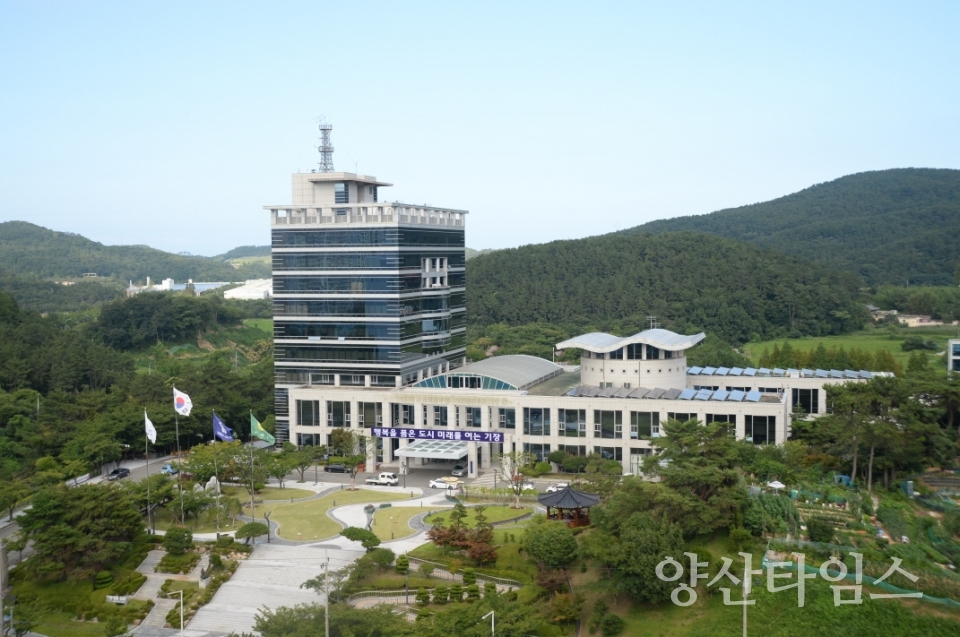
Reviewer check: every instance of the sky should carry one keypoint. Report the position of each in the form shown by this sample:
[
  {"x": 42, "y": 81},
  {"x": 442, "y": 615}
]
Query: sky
[{"x": 172, "y": 124}]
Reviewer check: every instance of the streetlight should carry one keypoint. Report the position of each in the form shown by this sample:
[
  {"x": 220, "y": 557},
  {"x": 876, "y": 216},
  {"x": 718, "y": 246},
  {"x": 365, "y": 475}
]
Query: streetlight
[
  {"x": 492, "y": 625},
  {"x": 181, "y": 610},
  {"x": 403, "y": 472}
]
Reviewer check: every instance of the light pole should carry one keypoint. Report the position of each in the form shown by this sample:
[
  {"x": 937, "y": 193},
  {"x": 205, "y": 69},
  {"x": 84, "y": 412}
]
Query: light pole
[
  {"x": 492, "y": 625},
  {"x": 403, "y": 472}
]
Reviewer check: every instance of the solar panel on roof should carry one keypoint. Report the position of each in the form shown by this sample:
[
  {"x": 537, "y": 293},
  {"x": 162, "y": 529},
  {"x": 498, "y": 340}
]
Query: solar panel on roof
[
  {"x": 710, "y": 371},
  {"x": 687, "y": 394},
  {"x": 749, "y": 372},
  {"x": 821, "y": 373},
  {"x": 736, "y": 396},
  {"x": 764, "y": 371},
  {"x": 778, "y": 372},
  {"x": 723, "y": 371},
  {"x": 703, "y": 394},
  {"x": 720, "y": 394},
  {"x": 623, "y": 392},
  {"x": 607, "y": 393},
  {"x": 671, "y": 394},
  {"x": 836, "y": 373},
  {"x": 865, "y": 374},
  {"x": 592, "y": 391},
  {"x": 851, "y": 374},
  {"x": 656, "y": 392},
  {"x": 736, "y": 371},
  {"x": 793, "y": 371},
  {"x": 753, "y": 396},
  {"x": 694, "y": 370}
]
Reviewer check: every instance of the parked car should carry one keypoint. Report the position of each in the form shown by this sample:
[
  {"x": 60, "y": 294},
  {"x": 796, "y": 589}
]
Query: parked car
[
  {"x": 335, "y": 468},
  {"x": 117, "y": 474},
  {"x": 560, "y": 486},
  {"x": 459, "y": 470},
  {"x": 445, "y": 483},
  {"x": 169, "y": 470},
  {"x": 528, "y": 486}
]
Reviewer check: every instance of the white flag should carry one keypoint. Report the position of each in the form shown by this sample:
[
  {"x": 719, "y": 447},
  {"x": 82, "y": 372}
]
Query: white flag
[
  {"x": 151, "y": 432},
  {"x": 181, "y": 403}
]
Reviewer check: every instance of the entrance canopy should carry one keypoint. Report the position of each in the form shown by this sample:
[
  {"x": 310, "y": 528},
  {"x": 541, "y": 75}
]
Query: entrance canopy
[{"x": 436, "y": 449}]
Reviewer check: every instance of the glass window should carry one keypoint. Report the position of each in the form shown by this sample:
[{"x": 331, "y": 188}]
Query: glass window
[
  {"x": 439, "y": 415},
  {"x": 609, "y": 453},
  {"x": 573, "y": 450},
  {"x": 617, "y": 354},
  {"x": 369, "y": 414},
  {"x": 308, "y": 413},
  {"x": 338, "y": 413},
  {"x": 761, "y": 430},
  {"x": 643, "y": 424},
  {"x": 340, "y": 193},
  {"x": 607, "y": 424},
  {"x": 402, "y": 414},
  {"x": 572, "y": 423},
  {"x": 807, "y": 400},
  {"x": 730, "y": 418},
  {"x": 682, "y": 417},
  {"x": 473, "y": 416},
  {"x": 539, "y": 451},
  {"x": 536, "y": 421},
  {"x": 507, "y": 418}
]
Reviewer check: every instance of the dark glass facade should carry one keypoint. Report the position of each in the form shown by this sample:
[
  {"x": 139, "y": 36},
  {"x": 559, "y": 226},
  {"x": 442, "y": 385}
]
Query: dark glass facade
[{"x": 361, "y": 306}]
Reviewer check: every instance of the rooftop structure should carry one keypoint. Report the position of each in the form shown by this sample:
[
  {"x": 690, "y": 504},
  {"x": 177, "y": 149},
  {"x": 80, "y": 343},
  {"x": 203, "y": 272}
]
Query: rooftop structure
[{"x": 515, "y": 372}]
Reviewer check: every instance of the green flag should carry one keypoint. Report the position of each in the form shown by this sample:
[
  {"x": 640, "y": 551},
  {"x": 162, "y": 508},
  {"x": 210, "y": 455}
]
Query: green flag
[{"x": 259, "y": 432}]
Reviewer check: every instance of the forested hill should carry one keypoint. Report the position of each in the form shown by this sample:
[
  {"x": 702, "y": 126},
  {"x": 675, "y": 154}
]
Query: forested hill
[
  {"x": 888, "y": 226},
  {"x": 29, "y": 249},
  {"x": 690, "y": 281}
]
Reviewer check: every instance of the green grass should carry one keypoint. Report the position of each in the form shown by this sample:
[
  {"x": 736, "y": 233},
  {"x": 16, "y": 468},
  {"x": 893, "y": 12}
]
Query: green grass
[
  {"x": 206, "y": 524},
  {"x": 510, "y": 563},
  {"x": 64, "y": 625},
  {"x": 308, "y": 520},
  {"x": 869, "y": 340},
  {"x": 393, "y": 523},
  {"x": 494, "y": 513},
  {"x": 263, "y": 324},
  {"x": 268, "y": 493}
]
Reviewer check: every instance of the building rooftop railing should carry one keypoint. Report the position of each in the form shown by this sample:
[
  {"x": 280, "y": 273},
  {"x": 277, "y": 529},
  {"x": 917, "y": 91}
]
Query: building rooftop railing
[{"x": 365, "y": 213}]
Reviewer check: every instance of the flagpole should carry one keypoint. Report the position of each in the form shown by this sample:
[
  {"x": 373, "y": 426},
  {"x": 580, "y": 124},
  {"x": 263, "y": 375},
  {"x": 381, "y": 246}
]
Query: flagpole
[
  {"x": 180, "y": 466},
  {"x": 253, "y": 507},
  {"x": 216, "y": 474},
  {"x": 146, "y": 449}
]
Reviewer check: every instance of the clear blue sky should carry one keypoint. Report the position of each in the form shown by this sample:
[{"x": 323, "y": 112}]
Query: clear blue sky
[{"x": 172, "y": 124}]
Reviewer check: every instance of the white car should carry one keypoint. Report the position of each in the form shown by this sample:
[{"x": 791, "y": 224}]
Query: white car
[
  {"x": 528, "y": 486},
  {"x": 560, "y": 486},
  {"x": 445, "y": 483}
]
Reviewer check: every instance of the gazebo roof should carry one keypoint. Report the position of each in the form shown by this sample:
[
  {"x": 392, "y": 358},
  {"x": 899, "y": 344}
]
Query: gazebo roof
[{"x": 569, "y": 498}]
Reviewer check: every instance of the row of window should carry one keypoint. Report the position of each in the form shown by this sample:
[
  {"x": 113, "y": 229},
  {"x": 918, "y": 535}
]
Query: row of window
[
  {"x": 370, "y": 307},
  {"x": 369, "y": 237},
  {"x": 359, "y": 284},
  {"x": 368, "y": 353},
  {"x": 367, "y": 331},
  {"x": 365, "y": 261},
  {"x": 536, "y": 422},
  {"x": 634, "y": 352},
  {"x": 541, "y": 451}
]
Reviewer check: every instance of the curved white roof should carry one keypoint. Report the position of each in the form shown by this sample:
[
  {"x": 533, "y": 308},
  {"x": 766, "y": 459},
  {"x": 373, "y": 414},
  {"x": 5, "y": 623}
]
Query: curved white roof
[
  {"x": 603, "y": 342},
  {"x": 518, "y": 370}
]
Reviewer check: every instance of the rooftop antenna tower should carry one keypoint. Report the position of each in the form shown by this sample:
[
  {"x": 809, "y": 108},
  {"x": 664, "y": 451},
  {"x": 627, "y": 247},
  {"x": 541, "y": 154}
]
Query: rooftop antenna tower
[
  {"x": 326, "y": 150},
  {"x": 653, "y": 322}
]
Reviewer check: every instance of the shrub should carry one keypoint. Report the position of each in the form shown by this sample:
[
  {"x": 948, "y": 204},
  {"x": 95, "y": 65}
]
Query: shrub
[
  {"x": 456, "y": 593},
  {"x": 469, "y": 576},
  {"x": 489, "y": 590},
  {"x": 611, "y": 625},
  {"x": 441, "y": 594},
  {"x": 381, "y": 557},
  {"x": 252, "y": 530},
  {"x": 473, "y": 592},
  {"x": 403, "y": 565},
  {"x": 820, "y": 530},
  {"x": 178, "y": 540},
  {"x": 224, "y": 541},
  {"x": 423, "y": 597},
  {"x": 103, "y": 579},
  {"x": 426, "y": 569},
  {"x": 216, "y": 561},
  {"x": 542, "y": 468}
]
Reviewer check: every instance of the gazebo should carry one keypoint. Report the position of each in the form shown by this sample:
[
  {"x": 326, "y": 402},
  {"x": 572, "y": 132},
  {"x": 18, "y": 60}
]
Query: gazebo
[{"x": 569, "y": 505}]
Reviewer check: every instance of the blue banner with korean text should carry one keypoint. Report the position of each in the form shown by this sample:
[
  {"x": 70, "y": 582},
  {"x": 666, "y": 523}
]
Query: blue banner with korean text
[{"x": 437, "y": 434}]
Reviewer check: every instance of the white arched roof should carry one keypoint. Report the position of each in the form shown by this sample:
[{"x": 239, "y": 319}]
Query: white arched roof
[{"x": 602, "y": 342}]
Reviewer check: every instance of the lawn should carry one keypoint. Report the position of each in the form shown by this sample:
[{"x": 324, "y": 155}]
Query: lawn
[
  {"x": 393, "y": 523},
  {"x": 268, "y": 493},
  {"x": 308, "y": 520},
  {"x": 262, "y": 324},
  {"x": 869, "y": 340},
  {"x": 164, "y": 519},
  {"x": 64, "y": 625},
  {"x": 510, "y": 563},
  {"x": 494, "y": 513}
]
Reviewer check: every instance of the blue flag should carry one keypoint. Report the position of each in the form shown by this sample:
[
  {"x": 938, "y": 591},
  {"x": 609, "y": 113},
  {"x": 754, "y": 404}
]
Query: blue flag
[{"x": 221, "y": 431}]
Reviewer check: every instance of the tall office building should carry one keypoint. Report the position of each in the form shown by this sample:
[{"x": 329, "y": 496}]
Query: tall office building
[{"x": 366, "y": 293}]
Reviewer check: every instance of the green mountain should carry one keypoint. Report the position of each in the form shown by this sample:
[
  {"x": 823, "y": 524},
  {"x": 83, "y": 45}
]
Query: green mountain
[
  {"x": 888, "y": 226},
  {"x": 28, "y": 249},
  {"x": 689, "y": 281},
  {"x": 244, "y": 251}
]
